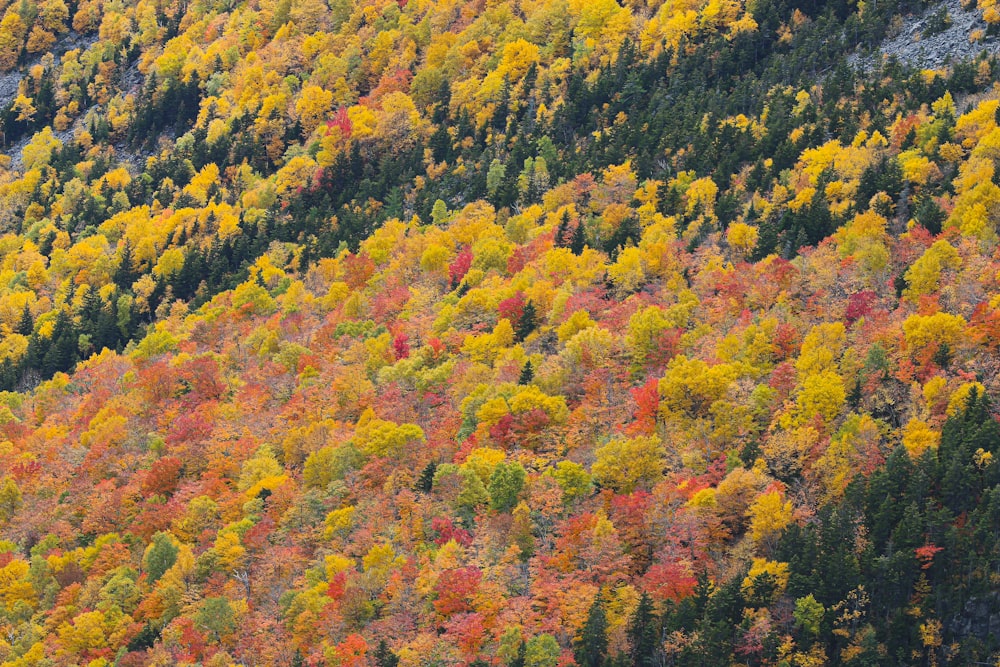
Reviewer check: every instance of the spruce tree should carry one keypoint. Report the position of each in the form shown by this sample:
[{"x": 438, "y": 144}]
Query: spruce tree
[
  {"x": 384, "y": 657},
  {"x": 578, "y": 243},
  {"x": 562, "y": 231},
  {"x": 854, "y": 397},
  {"x": 522, "y": 651},
  {"x": 592, "y": 648},
  {"x": 527, "y": 322},
  {"x": 125, "y": 274},
  {"x": 527, "y": 373},
  {"x": 426, "y": 481},
  {"x": 643, "y": 634},
  {"x": 27, "y": 323}
]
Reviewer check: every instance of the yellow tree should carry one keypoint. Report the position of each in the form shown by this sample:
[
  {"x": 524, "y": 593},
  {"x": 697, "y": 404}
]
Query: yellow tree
[
  {"x": 770, "y": 513},
  {"x": 924, "y": 276},
  {"x": 313, "y": 106},
  {"x": 378, "y": 437},
  {"x": 645, "y": 329},
  {"x": 742, "y": 238},
  {"x": 12, "y": 31},
  {"x": 625, "y": 465}
]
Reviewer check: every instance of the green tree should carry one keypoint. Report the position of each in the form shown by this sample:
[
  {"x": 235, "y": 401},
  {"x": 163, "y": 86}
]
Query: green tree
[
  {"x": 527, "y": 322},
  {"x": 578, "y": 242},
  {"x": 10, "y": 499},
  {"x": 160, "y": 556},
  {"x": 643, "y": 634},
  {"x": 216, "y": 615},
  {"x": 385, "y": 657},
  {"x": 505, "y": 485},
  {"x": 563, "y": 238},
  {"x": 439, "y": 213},
  {"x": 808, "y": 615},
  {"x": 541, "y": 651},
  {"x": 495, "y": 176},
  {"x": 426, "y": 481},
  {"x": 527, "y": 373},
  {"x": 27, "y": 323},
  {"x": 592, "y": 648}
]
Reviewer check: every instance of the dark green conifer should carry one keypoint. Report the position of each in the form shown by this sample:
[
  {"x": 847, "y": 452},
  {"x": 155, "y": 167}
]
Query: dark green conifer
[
  {"x": 562, "y": 239},
  {"x": 27, "y": 323},
  {"x": 527, "y": 373},
  {"x": 578, "y": 242},
  {"x": 527, "y": 322},
  {"x": 643, "y": 634},
  {"x": 384, "y": 657},
  {"x": 592, "y": 648}
]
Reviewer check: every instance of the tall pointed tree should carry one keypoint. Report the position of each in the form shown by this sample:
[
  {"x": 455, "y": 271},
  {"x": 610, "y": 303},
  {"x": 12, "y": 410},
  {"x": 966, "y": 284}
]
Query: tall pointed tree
[{"x": 592, "y": 648}]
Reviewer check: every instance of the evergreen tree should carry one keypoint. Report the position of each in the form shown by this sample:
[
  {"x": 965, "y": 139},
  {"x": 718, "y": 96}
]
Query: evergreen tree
[
  {"x": 503, "y": 107},
  {"x": 384, "y": 657},
  {"x": 9, "y": 375},
  {"x": 854, "y": 397},
  {"x": 522, "y": 654},
  {"x": 527, "y": 322},
  {"x": 440, "y": 143},
  {"x": 929, "y": 214},
  {"x": 942, "y": 356},
  {"x": 592, "y": 647},
  {"x": 125, "y": 274},
  {"x": 61, "y": 353},
  {"x": 27, "y": 323},
  {"x": 426, "y": 481},
  {"x": 578, "y": 242},
  {"x": 562, "y": 239},
  {"x": 527, "y": 373},
  {"x": 643, "y": 634}
]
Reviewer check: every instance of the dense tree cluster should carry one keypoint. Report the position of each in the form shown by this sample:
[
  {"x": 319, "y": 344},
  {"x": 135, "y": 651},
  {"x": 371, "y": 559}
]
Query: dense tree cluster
[{"x": 532, "y": 334}]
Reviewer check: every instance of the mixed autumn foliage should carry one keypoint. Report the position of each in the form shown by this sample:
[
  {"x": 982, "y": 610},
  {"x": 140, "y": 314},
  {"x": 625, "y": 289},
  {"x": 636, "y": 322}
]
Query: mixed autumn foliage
[{"x": 525, "y": 333}]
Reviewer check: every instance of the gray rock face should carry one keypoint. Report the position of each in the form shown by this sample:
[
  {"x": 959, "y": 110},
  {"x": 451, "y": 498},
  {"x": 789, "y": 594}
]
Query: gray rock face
[
  {"x": 980, "y": 618},
  {"x": 937, "y": 50},
  {"x": 10, "y": 81}
]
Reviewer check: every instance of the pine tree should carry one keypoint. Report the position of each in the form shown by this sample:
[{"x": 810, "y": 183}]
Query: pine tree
[
  {"x": 503, "y": 107},
  {"x": 384, "y": 657},
  {"x": 27, "y": 323},
  {"x": 426, "y": 481},
  {"x": 521, "y": 656},
  {"x": 592, "y": 648},
  {"x": 962, "y": 436},
  {"x": 125, "y": 274},
  {"x": 854, "y": 398},
  {"x": 527, "y": 373},
  {"x": 9, "y": 375},
  {"x": 440, "y": 143},
  {"x": 929, "y": 214},
  {"x": 562, "y": 232},
  {"x": 61, "y": 354},
  {"x": 527, "y": 322},
  {"x": 942, "y": 356},
  {"x": 578, "y": 242},
  {"x": 643, "y": 634}
]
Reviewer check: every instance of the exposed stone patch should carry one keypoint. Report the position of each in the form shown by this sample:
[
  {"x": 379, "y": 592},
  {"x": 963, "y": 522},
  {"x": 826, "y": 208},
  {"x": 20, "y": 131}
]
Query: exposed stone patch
[{"x": 933, "y": 51}]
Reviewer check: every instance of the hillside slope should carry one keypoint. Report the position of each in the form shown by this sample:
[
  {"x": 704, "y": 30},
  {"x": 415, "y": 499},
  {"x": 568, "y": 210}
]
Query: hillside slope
[
  {"x": 944, "y": 33},
  {"x": 536, "y": 333}
]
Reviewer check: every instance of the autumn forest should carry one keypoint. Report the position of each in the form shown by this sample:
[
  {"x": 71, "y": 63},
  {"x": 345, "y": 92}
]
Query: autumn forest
[{"x": 499, "y": 333}]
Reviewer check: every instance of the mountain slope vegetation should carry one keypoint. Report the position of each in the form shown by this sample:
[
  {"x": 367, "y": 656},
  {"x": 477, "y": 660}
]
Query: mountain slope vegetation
[{"x": 524, "y": 333}]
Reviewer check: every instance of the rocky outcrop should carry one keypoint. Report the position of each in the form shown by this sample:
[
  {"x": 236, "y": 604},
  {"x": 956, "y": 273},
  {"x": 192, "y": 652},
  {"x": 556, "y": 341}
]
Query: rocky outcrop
[
  {"x": 922, "y": 44},
  {"x": 980, "y": 618},
  {"x": 10, "y": 82}
]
